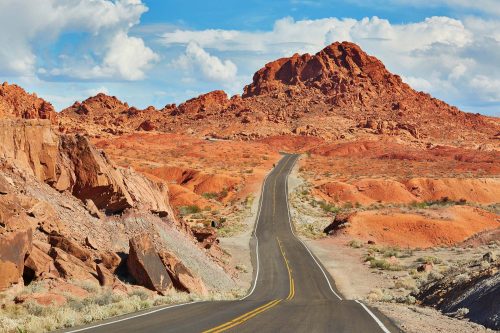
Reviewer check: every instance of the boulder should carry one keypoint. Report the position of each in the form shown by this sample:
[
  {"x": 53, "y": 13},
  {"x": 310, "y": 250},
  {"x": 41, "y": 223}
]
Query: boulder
[
  {"x": 70, "y": 267},
  {"x": 14, "y": 247},
  {"x": 146, "y": 267},
  {"x": 12, "y": 215},
  {"x": 61, "y": 287},
  {"x": 42, "y": 246},
  {"x": 182, "y": 277},
  {"x": 70, "y": 247},
  {"x": 111, "y": 260},
  {"x": 147, "y": 194},
  {"x": 90, "y": 242},
  {"x": 37, "y": 264}
]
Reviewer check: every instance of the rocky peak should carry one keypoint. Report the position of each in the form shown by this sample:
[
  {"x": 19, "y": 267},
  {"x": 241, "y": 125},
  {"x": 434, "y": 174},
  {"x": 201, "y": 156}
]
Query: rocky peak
[
  {"x": 98, "y": 104},
  {"x": 15, "y": 102},
  {"x": 337, "y": 63},
  {"x": 213, "y": 100}
]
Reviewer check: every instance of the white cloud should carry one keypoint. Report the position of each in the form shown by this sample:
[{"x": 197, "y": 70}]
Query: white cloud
[
  {"x": 38, "y": 23},
  {"x": 440, "y": 55},
  {"x": 211, "y": 67},
  {"x": 95, "y": 91},
  {"x": 128, "y": 57}
]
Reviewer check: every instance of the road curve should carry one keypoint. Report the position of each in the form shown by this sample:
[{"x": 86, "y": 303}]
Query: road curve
[{"x": 292, "y": 292}]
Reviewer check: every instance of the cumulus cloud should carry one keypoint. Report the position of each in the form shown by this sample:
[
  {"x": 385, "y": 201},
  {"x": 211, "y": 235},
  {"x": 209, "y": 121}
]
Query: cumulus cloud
[
  {"x": 33, "y": 25},
  {"x": 211, "y": 67},
  {"x": 450, "y": 58}
]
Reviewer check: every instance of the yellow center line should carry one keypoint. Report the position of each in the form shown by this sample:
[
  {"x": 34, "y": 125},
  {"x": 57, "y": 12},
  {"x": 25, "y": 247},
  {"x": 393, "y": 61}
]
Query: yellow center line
[
  {"x": 291, "y": 294},
  {"x": 241, "y": 319}
]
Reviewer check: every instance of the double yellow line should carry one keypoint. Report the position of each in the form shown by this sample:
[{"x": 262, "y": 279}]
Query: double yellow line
[
  {"x": 241, "y": 319},
  {"x": 247, "y": 316},
  {"x": 291, "y": 294}
]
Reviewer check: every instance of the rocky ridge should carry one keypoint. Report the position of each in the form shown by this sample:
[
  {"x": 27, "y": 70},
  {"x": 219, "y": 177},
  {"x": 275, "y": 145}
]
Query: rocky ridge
[
  {"x": 67, "y": 213},
  {"x": 339, "y": 93}
]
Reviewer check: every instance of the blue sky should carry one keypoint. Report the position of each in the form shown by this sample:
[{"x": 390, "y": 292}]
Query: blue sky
[{"x": 154, "y": 52}]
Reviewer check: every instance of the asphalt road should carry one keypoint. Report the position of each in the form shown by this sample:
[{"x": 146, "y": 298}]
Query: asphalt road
[{"x": 292, "y": 292}]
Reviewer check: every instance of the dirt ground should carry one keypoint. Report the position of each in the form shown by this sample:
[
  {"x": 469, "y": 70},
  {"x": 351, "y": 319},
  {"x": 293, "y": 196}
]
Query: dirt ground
[{"x": 387, "y": 288}]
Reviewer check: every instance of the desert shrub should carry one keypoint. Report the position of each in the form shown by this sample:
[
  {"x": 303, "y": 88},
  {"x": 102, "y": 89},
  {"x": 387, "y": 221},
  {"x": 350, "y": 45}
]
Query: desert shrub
[
  {"x": 210, "y": 195},
  {"x": 141, "y": 294},
  {"x": 379, "y": 295},
  {"x": 347, "y": 205},
  {"x": 385, "y": 265},
  {"x": 355, "y": 244},
  {"x": 329, "y": 208},
  {"x": 429, "y": 260},
  {"x": 191, "y": 209},
  {"x": 408, "y": 299}
]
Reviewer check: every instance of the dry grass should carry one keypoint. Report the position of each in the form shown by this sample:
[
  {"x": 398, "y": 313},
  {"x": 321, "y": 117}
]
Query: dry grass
[{"x": 101, "y": 304}]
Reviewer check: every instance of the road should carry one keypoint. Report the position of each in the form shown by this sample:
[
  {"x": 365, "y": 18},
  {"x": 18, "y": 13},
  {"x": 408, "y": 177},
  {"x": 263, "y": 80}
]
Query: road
[{"x": 292, "y": 292}]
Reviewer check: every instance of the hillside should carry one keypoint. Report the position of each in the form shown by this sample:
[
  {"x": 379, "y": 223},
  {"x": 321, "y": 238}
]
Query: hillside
[{"x": 339, "y": 93}]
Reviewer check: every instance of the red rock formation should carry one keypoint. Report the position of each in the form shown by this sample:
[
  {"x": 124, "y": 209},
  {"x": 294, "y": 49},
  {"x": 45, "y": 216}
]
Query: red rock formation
[
  {"x": 14, "y": 246},
  {"x": 16, "y": 103},
  {"x": 181, "y": 276},
  {"x": 209, "y": 102},
  {"x": 145, "y": 266}
]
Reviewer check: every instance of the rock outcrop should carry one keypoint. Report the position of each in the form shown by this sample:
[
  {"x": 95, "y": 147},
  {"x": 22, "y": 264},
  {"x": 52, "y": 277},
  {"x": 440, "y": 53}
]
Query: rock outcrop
[
  {"x": 71, "y": 163},
  {"x": 337, "y": 93},
  {"x": 16, "y": 103},
  {"x": 14, "y": 247},
  {"x": 145, "y": 265},
  {"x": 475, "y": 288}
]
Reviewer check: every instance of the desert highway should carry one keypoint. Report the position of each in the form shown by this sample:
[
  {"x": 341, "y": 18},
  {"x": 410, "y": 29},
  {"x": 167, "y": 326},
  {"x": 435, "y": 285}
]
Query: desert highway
[{"x": 292, "y": 292}]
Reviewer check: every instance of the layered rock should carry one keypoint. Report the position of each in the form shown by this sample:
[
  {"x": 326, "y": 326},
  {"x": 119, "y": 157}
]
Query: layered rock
[{"x": 71, "y": 163}]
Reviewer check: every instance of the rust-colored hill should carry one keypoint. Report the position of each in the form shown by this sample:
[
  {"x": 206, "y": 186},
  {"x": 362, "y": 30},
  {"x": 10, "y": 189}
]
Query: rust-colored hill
[
  {"x": 16, "y": 103},
  {"x": 339, "y": 93}
]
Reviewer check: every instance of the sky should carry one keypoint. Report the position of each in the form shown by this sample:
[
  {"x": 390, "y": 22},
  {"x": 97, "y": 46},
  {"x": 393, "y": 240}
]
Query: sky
[{"x": 156, "y": 52}]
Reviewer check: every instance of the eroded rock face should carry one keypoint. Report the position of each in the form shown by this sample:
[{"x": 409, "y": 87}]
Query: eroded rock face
[
  {"x": 95, "y": 178},
  {"x": 14, "y": 247},
  {"x": 16, "y": 103},
  {"x": 145, "y": 265},
  {"x": 31, "y": 146}
]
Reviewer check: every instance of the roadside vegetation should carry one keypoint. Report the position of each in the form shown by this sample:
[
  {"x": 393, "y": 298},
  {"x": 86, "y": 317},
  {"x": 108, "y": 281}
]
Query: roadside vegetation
[{"x": 101, "y": 303}]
